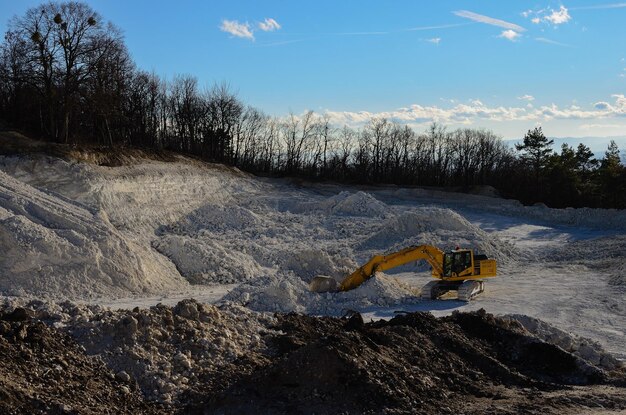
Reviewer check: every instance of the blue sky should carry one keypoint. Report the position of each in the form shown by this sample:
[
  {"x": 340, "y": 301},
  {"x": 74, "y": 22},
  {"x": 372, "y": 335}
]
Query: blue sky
[{"x": 505, "y": 65}]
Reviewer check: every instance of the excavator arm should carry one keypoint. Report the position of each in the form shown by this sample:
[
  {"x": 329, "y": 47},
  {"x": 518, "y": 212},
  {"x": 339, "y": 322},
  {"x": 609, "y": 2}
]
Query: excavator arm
[
  {"x": 459, "y": 271},
  {"x": 430, "y": 254}
]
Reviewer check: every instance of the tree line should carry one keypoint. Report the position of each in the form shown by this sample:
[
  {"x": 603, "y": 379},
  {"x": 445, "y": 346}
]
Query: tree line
[
  {"x": 571, "y": 177},
  {"x": 66, "y": 76}
]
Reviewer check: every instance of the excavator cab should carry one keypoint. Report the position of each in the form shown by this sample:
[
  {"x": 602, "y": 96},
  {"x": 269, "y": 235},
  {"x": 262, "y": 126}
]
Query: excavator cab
[{"x": 455, "y": 262}]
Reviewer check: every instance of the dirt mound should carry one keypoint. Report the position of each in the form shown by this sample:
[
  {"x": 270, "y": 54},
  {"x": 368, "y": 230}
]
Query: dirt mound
[
  {"x": 440, "y": 227},
  {"x": 45, "y": 371},
  {"x": 214, "y": 218},
  {"x": 587, "y": 349},
  {"x": 162, "y": 350},
  {"x": 197, "y": 358},
  {"x": 345, "y": 204},
  {"x": 291, "y": 294},
  {"x": 12, "y": 142},
  {"x": 357, "y": 204},
  {"x": 411, "y": 364},
  {"x": 207, "y": 261},
  {"x": 56, "y": 247}
]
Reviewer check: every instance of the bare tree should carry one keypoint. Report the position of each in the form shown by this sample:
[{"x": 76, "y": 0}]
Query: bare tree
[
  {"x": 224, "y": 111},
  {"x": 296, "y": 131},
  {"x": 59, "y": 46}
]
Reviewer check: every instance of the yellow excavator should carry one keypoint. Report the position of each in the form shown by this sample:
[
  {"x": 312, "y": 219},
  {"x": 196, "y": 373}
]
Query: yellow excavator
[{"x": 458, "y": 270}]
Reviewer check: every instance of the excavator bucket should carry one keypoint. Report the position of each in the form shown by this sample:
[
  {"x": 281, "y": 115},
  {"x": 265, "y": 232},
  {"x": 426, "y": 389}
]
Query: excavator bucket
[{"x": 322, "y": 284}]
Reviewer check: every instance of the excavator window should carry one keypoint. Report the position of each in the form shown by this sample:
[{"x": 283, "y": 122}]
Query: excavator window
[
  {"x": 456, "y": 262},
  {"x": 447, "y": 265}
]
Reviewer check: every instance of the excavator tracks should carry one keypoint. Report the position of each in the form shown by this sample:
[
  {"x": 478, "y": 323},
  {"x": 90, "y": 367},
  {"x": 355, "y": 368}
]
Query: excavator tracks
[
  {"x": 470, "y": 289},
  {"x": 466, "y": 290},
  {"x": 431, "y": 291}
]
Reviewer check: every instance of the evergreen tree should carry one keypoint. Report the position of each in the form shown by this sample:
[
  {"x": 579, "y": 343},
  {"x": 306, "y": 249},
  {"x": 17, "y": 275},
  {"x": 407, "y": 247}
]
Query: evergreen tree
[
  {"x": 586, "y": 166},
  {"x": 612, "y": 178},
  {"x": 536, "y": 150},
  {"x": 585, "y": 159},
  {"x": 564, "y": 181}
]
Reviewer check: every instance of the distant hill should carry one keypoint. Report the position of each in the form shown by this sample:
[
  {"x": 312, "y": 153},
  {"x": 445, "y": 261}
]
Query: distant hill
[{"x": 597, "y": 144}]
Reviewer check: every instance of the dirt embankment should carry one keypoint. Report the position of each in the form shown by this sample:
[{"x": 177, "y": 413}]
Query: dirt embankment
[
  {"x": 416, "y": 363},
  {"x": 14, "y": 143},
  {"x": 44, "y": 371},
  {"x": 194, "y": 358}
]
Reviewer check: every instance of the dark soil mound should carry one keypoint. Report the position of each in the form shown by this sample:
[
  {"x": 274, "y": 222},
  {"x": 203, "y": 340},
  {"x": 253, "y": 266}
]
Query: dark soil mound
[
  {"x": 469, "y": 363},
  {"x": 44, "y": 371},
  {"x": 413, "y": 363}
]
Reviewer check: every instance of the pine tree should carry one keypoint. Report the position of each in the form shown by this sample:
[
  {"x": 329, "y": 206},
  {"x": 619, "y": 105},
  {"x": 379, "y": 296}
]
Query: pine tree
[
  {"x": 612, "y": 177},
  {"x": 585, "y": 159},
  {"x": 537, "y": 151}
]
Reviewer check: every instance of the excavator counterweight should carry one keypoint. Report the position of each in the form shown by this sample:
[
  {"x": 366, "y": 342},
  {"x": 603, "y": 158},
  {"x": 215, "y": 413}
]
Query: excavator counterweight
[{"x": 459, "y": 270}]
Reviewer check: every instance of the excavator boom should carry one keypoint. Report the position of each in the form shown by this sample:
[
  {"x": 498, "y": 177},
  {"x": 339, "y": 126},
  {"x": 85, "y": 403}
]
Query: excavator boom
[
  {"x": 459, "y": 270},
  {"x": 432, "y": 255}
]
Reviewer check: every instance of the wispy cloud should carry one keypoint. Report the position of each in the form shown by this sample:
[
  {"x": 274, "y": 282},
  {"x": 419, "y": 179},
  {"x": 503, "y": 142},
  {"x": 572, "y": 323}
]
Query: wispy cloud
[
  {"x": 360, "y": 33},
  {"x": 600, "y": 126},
  {"x": 477, "y": 111},
  {"x": 509, "y": 34},
  {"x": 488, "y": 20},
  {"x": 527, "y": 13},
  {"x": 552, "y": 42},
  {"x": 443, "y": 26},
  {"x": 281, "y": 42},
  {"x": 269, "y": 25},
  {"x": 600, "y": 6},
  {"x": 237, "y": 29},
  {"x": 558, "y": 17},
  {"x": 526, "y": 98},
  {"x": 313, "y": 36}
]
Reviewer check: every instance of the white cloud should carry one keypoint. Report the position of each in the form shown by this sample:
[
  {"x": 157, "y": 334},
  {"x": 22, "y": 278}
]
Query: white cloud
[
  {"x": 620, "y": 100},
  {"x": 511, "y": 35},
  {"x": 552, "y": 42},
  {"x": 601, "y": 6},
  {"x": 488, "y": 20},
  {"x": 551, "y": 16},
  {"x": 269, "y": 25},
  {"x": 443, "y": 26},
  {"x": 599, "y": 126},
  {"x": 237, "y": 29},
  {"x": 477, "y": 111},
  {"x": 360, "y": 33},
  {"x": 558, "y": 17},
  {"x": 526, "y": 98},
  {"x": 281, "y": 42},
  {"x": 435, "y": 40}
]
